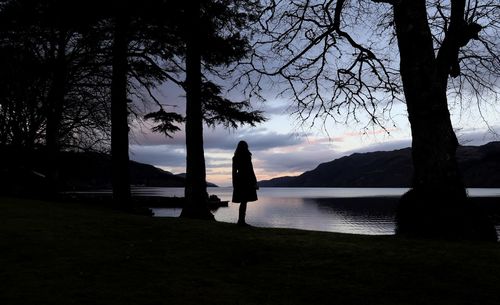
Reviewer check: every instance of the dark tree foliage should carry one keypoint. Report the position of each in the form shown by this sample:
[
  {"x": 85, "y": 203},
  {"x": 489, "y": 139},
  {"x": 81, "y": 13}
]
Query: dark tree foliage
[
  {"x": 72, "y": 69},
  {"x": 143, "y": 43},
  {"x": 169, "y": 40},
  {"x": 165, "y": 121},
  {"x": 70, "y": 49},
  {"x": 213, "y": 37},
  {"x": 23, "y": 87},
  {"x": 218, "y": 110},
  {"x": 58, "y": 70}
]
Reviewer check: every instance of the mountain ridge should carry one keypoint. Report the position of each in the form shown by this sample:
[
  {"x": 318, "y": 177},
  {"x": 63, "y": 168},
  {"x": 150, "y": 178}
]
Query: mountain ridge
[
  {"x": 141, "y": 174},
  {"x": 479, "y": 166}
]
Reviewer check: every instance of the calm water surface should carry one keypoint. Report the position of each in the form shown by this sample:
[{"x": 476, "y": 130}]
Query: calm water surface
[{"x": 343, "y": 210}]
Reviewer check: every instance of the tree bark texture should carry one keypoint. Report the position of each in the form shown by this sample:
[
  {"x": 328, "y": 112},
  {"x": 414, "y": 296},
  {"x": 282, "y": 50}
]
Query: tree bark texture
[
  {"x": 119, "y": 114},
  {"x": 196, "y": 185},
  {"x": 434, "y": 142}
]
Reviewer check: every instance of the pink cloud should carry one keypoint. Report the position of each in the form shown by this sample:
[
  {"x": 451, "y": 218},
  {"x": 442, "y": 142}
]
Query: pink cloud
[{"x": 370, "y": 132}]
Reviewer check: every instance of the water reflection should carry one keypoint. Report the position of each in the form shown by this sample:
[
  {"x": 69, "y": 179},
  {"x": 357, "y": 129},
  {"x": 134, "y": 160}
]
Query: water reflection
[
  {"x": 344, "y": 210},
  {"x": 344, "y": 215},
  {"x": 359, "y": 215}
]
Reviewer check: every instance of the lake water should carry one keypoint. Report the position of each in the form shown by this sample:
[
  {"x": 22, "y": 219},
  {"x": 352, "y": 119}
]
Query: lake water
[{"x": 343, "y": 210}]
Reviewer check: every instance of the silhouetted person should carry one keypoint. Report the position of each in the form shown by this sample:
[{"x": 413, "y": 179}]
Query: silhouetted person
[{"x": 244, "y": 180}]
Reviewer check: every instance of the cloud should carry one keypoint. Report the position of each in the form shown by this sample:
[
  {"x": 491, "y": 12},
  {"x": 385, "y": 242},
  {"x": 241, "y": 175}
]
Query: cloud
[
  {"x": 370, "y": 132},
  {"x": 383, "y": 146},
  {"x": 306, "y": 155},
  {"x": 170, "y": 95},
  {"x": 275, "y": 107},
  {"x": 158, "y": 155},
  {"x": 257, "y": 138},
  {"x": 294, "y": 162},
  {"x": 219, "y": 138},
  {"x": 145, "y": 137},
  {"x": 274, "y": 154},
  {"x": 219, "y": 148},
  {"x": 478, "y": 136},
  {"x": 474, "y": 137}
]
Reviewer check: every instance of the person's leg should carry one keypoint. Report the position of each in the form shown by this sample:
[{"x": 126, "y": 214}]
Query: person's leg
[{"x": 243, "y": 211}]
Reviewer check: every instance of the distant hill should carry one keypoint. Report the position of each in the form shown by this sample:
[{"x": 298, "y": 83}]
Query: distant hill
[
  {"x": 480, "y": 166},
  {"x": 96, "y": 168},
  {"x": 80, "y": 171}
]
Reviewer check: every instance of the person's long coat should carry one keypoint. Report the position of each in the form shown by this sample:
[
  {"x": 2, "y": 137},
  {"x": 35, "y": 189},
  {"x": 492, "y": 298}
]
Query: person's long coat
[{"x": 244, "y": 180}]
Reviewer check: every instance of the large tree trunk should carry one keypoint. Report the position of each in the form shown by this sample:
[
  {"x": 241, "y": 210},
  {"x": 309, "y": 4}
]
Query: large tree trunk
[
  {"x": 55, "y": 104},
  {"x": 196, "y": 185},
  {"x": 434, "y": 141},
  {"x": 437, "y": 204},
  {"x": 119, "y": 114}
]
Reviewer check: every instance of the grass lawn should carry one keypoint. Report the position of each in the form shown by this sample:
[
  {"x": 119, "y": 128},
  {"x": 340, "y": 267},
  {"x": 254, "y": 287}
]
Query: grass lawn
[{"x": 56, "y": 253}]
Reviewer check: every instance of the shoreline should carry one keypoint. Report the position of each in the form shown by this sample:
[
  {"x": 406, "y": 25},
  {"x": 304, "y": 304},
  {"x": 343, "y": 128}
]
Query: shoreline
[{"x": 491, "y": 204}]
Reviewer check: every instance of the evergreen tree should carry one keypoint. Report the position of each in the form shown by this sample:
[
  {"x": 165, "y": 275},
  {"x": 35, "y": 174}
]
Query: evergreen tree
[{"x": 212, "y": 38}]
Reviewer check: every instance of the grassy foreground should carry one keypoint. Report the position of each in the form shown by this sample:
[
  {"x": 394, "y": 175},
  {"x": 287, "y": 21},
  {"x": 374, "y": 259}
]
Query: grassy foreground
[{"x": 55, "y": 253}]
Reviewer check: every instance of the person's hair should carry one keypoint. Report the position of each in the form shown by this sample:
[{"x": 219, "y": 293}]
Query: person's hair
[{"x": 242, "y": 149}]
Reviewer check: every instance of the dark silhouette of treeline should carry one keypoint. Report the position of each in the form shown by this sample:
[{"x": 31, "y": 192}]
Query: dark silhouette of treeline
[
  {"x": 75, "y": 72},
  {"x": 78, "y": 171}
]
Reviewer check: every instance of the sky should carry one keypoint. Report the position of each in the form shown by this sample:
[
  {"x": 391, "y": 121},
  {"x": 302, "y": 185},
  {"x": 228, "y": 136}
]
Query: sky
[{"x": 283, "y": 147}]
